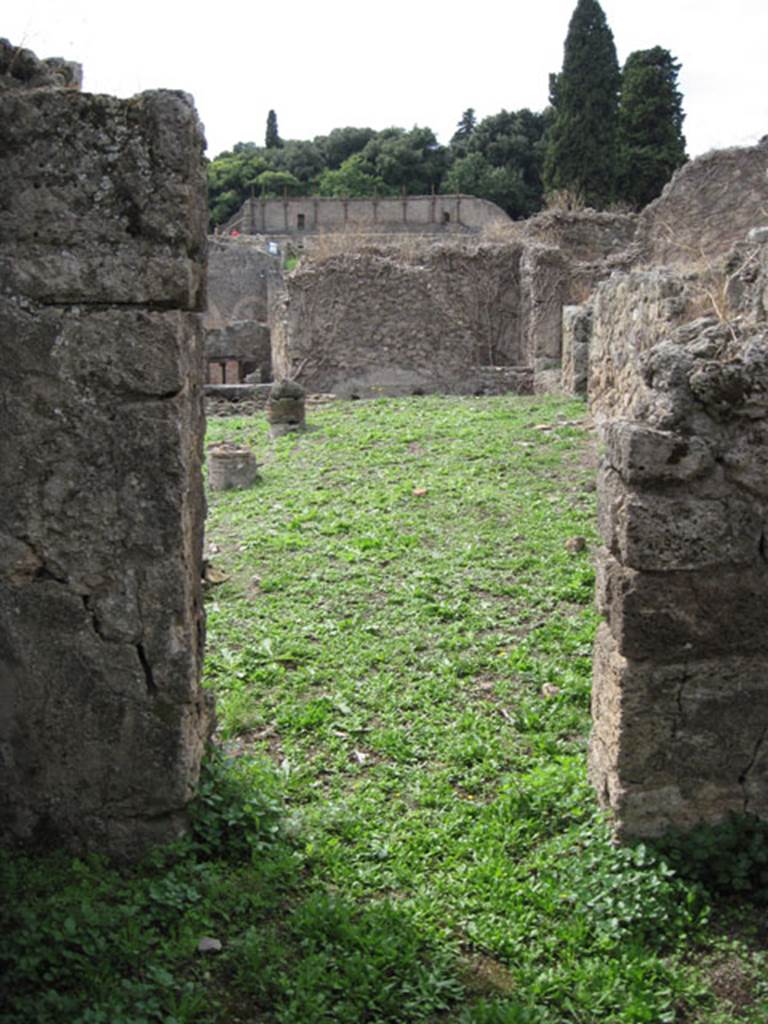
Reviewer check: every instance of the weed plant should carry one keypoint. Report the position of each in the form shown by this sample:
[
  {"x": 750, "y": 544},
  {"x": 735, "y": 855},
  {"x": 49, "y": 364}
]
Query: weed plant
[{"x": 394, "y": 826}]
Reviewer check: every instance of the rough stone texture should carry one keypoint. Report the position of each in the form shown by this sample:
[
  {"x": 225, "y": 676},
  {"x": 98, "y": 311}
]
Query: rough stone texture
[
  {"x": 544, "y": 292},
  {"x": 709, "y": 205},
  {"x": 680, "y": 687},
  {"x": 306, "y": 215},
  {"x": 102, "y": 245},
  {"x": 21, "y": 69},
  {"x": 577, "y": 331},
  {"x": 631, "y": 312},
  {"x": 393, "y": 321},
  {"x": 582, "y": 236},
  {"x": 241, "y": 278}
]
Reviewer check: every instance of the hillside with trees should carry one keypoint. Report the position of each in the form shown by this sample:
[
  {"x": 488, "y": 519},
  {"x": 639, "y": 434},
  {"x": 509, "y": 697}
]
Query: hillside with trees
[{"x": 608, "y": 137}]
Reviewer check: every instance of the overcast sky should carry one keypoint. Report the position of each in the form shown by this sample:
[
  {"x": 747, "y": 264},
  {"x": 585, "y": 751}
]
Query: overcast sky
[{"x": 332, "y": 63}]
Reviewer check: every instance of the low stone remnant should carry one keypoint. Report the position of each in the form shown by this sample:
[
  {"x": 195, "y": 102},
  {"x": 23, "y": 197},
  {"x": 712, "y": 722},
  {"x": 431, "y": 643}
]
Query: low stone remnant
[
  {"x": 231, "y": 467},
  {"x": 680, "y": 686},
  {"x": 102, "y": 262},
  {"x": 286, "y": 408}
]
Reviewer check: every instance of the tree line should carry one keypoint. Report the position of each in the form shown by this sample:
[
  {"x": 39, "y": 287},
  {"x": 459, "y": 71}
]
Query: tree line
[{"x": 609, "y": 136}]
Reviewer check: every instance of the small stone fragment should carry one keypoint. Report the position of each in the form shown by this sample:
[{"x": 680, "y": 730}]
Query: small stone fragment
[
  {"x": 575, "y": 544},
  {"x": 209, "y": 945}
]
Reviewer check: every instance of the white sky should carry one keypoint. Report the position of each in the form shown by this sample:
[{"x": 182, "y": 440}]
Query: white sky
[{"x": 330, "y": 63}]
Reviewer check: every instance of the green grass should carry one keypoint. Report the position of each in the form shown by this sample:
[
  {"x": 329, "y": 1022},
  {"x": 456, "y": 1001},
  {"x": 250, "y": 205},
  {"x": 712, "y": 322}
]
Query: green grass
[{"x": 396, "y": 825}]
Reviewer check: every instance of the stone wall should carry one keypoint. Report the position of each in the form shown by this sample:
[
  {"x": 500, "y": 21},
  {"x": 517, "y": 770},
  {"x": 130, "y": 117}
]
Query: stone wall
[
  {"x": 311, "y": 214},
  {"x": 242, "y": 281},
  {"x": 102, "y": 264},
  {"x": 582, "y": 236},
  {"x": 709, "y": 205},
  {"x": 680, "y": 687},
  {"x": 391, "y": 321}
]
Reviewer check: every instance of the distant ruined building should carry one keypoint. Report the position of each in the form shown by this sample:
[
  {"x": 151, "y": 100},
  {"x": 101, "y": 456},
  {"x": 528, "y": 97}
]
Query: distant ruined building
[{"x": 436, "y": 214}]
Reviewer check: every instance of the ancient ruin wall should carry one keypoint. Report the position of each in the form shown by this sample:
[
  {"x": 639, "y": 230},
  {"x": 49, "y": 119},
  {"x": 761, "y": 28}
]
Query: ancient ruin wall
[
  {"x": 383, "y": 321},
  {"x": 583, "y": 236},
  {"x": 680, "y": 685},
  {"x": 102, "y": 264},
  {"x": 242, "y": 280},
  {"x": 709, "y": 205}
]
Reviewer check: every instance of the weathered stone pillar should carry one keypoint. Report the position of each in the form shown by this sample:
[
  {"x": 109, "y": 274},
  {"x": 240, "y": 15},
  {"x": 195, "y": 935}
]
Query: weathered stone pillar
[
  {"x": 680, "y": 687},
  {"x": 544, "y": 280},
  {"x": 102, "y": 271},
  {"x": 577, "y": 329}
]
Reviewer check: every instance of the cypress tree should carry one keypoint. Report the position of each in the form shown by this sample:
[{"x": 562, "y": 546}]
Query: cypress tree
[
  {"x": 581, "y": 148},
  {"x": 651, "y": 140},
  {"x": 272, "y": 140}
]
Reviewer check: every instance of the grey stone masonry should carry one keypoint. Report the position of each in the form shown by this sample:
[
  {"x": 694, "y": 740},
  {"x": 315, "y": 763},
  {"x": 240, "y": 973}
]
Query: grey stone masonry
[
  {"x": 680, "y": 685},
  {"x": 102, "y": 271}
]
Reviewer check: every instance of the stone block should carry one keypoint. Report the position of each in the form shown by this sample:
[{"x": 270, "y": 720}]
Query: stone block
[
  {"x": 674, "y": 745},
  {"x": 658, "y": 532},
  {"x": 642, "y": 455},
  {"x": 671, "y": 616},
  {"x": 108, "y": 208}
]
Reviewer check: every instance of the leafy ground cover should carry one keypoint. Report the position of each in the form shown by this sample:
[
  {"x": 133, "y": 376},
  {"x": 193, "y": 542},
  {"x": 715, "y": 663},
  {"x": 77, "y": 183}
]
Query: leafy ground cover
[{"x": 395, "y": 825}]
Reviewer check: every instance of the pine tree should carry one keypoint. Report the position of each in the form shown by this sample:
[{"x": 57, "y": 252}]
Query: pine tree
[
  {"x": 581, "y": 148},
  {"x": 651, "y": 140},
  {"x": 272, "y": 140},
  {"x": 465, "y": 128}
]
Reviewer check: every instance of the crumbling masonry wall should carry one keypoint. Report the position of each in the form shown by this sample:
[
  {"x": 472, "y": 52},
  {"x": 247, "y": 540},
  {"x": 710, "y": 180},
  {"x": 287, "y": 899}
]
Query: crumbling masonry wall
[
  {"x": 381, "y": 320},
  {"x": 680, "y": 685},
  {"x": 102, "y": 271}
]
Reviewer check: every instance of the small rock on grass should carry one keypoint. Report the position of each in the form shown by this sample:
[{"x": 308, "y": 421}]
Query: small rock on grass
[
  {"x": 208, "y": 945},
  {"x": 575, "y": 544}
]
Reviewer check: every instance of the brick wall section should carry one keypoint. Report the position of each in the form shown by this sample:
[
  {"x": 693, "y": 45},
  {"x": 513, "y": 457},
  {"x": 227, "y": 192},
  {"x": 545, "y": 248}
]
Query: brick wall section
[{"x": 102, "y": 264}]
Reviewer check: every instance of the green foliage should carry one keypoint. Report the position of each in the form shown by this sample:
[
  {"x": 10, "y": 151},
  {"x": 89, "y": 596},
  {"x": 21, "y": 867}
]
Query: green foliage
[
  {"x": 472, "y": 175},
  {"x": 410, "y": 161},
  {"x": 464, "y": 131},
  {"x": 343, "y": 143},
  {"x": 650, "y": 126},
  {"x": 730, "y": 858},
  {"x": 237, "y": 810},
  {"x": 272, "y": 138},
  {"x": 352, "y": 179},
  {"x": 505, "y": 153},
  {"x": 276, "y": 183},
  {"x": 581, "y": 149}
]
